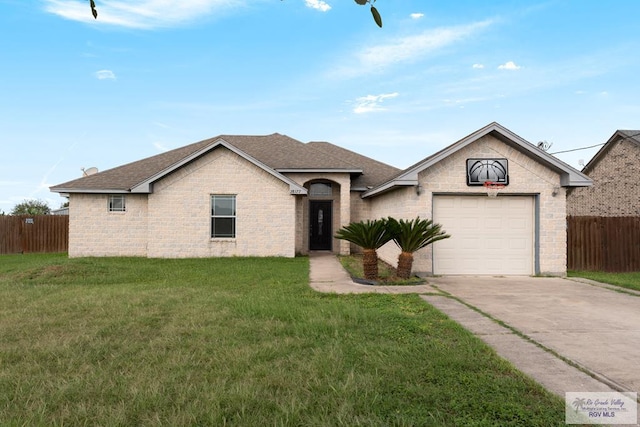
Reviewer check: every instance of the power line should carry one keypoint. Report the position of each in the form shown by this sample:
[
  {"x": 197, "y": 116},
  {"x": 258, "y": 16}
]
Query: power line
[
  {"x": 634, "y": 135},
  {"x": 578, "y": 149}
]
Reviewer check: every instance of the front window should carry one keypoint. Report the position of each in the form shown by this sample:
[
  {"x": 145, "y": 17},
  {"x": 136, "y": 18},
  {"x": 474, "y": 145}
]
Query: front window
[
  {"x": 319, "y": 189},
  {"x": 223, "y": 216},
  {"x": 116, "y": 203}
]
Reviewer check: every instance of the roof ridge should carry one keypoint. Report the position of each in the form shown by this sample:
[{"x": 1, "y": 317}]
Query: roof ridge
[{"x": 350, "y": 151}]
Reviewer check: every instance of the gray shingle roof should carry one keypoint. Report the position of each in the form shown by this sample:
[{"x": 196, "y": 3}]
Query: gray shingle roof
[
  {"x": 374, "y": 172},
  {"x": 275, "y": 151},
  {"x": 633, "y": 134}
]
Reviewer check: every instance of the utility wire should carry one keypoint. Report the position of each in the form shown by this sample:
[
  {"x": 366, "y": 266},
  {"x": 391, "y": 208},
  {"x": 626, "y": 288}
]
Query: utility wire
[
  {"x": 597, "y": 145},
  {"x": 578, "y": 149}
]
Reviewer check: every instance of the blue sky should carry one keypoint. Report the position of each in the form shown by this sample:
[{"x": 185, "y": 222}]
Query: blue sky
[{"x": 153, "y": 75}]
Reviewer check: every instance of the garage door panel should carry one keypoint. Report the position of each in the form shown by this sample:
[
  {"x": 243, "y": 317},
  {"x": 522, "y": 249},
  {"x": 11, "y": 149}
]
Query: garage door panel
[
  {"x": 519, "y": 221},
  {"x": 517, "y": 202},
  {"x": 489, "y": 235},
  {"x": 518, "y": 244},
  {"x": 514, "y": 264},
  {"x": 469, "y": 204},
  {"x": 447, "y": 204},
  {"x": 492, "y": 224},
  {"x": 469, "y": 223},
  {"x": 495, "y": 208},
  {"x": 494, "y": 244}
]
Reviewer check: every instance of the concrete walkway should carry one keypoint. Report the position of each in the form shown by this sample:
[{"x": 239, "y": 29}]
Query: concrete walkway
[{"x": 541, "y": 325}]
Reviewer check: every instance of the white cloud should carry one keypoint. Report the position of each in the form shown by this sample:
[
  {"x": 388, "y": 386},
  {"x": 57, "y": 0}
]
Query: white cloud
[
  {"x": 105, "y": 75},
  {"x": 478, "y": 66},
  {"x": 143, "y": 14},
  {"x": 410, "y": 48},
  {"x": 370, "y": 103},
  {"x": 509, "y": 66},
  {"x": 161, "y": 147},
  {"x": 416, "y": 15},
  {"x": 318, "y": 5}
]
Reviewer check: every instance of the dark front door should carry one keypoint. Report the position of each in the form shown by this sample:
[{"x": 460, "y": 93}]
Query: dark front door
[{"x": 320, "y": 233}]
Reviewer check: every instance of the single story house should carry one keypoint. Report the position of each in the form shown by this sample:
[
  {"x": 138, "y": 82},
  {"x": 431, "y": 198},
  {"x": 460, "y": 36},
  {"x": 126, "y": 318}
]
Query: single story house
[{"x": 275, "y": 196}]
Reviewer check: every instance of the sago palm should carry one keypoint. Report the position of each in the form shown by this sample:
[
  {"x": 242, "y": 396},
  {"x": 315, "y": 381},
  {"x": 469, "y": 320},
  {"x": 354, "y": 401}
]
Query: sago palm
[
  {"x": 370, "y": 236},
  {"x": 411, "y": 236}
]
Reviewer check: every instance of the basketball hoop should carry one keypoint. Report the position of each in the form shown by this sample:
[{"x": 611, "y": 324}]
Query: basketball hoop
[{"x": 493, "y": 188}]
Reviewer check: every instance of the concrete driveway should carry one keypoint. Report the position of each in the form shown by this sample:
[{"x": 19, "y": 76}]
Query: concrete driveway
[
  {"x": 566, "y": 335},
  {"x": 594, "y": 327}
]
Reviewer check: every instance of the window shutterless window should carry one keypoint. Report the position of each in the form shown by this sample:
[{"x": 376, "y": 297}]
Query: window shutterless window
[
  {"x": 319, "y": 189},
  {"x": 223, "y": 216},
  {"x": 116, "y": 203}
]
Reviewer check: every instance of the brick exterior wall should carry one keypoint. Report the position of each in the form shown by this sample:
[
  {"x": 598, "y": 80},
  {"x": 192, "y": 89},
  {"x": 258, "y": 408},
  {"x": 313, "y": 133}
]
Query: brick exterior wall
[
  {"x": 526, "y": 176},
  {"x": 175, "y": 220},
  {"x": 360, "y": 211},
  {"x": 401, "y": 203},
  {"x": 94, "y": 231},
  {"x": 180, "y": 210},
  {"x": 616, "y": 186}
]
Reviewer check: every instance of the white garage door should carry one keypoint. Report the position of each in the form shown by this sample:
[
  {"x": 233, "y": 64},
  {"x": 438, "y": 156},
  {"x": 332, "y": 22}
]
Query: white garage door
[{"x": 488, "y": 235}]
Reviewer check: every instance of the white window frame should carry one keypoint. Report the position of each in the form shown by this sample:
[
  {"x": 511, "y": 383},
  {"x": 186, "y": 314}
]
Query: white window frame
[
  {"x": 119, "y": 207},
  {"x": 233, "y": 216}
]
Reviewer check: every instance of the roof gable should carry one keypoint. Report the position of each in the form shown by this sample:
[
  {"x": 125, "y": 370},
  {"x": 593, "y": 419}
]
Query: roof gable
[
  {"x": 569, "y": 177},
  {"x": 629, "y": 135},
  {"x": 146, "y": 185}
]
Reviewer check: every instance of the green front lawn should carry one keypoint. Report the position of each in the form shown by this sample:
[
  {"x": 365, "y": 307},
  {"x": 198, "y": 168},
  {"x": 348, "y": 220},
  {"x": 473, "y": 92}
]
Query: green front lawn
[
  {"x": 625, "y": 280},
  {"x": 238, "y": 341}
]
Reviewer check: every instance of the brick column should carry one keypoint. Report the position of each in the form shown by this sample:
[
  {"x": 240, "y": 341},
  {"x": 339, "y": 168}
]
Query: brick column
[{"x": 345, "y": 212}]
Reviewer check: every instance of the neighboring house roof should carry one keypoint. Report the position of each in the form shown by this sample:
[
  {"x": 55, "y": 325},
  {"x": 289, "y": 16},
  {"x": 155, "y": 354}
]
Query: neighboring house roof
[
  {"x": 273, "y": 153},
  {"x": 630, "y": 135},
  {"x": 61, "y": 211},
  {"x": 569, "y": 177}
]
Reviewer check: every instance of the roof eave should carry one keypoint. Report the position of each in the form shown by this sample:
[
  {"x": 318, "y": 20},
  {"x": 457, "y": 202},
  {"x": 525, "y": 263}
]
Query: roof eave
[
  {"x": 390, "y": 185},
  {"x": 89, "y": 191},
  {"x": 319, "y": 170},
  {"x": 568, "y": 182}
]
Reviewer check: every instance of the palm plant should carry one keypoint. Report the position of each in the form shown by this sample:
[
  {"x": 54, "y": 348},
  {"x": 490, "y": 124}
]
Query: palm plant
[
  {"x": 411, "y": 236},
  {"x": 370, "y": 236}
]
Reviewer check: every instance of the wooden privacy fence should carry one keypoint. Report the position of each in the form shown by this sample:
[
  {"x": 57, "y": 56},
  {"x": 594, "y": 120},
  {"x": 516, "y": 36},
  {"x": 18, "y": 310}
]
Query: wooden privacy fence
[
  {"x": 603, "y": 243},
  {"x": 35, "y": 233}
]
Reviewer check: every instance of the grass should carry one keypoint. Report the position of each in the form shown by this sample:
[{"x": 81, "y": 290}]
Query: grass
[
  {"x": 624, "y": 280},
  {"x": 387, "y": 273},
  {"x": 238, "y": 341}
]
